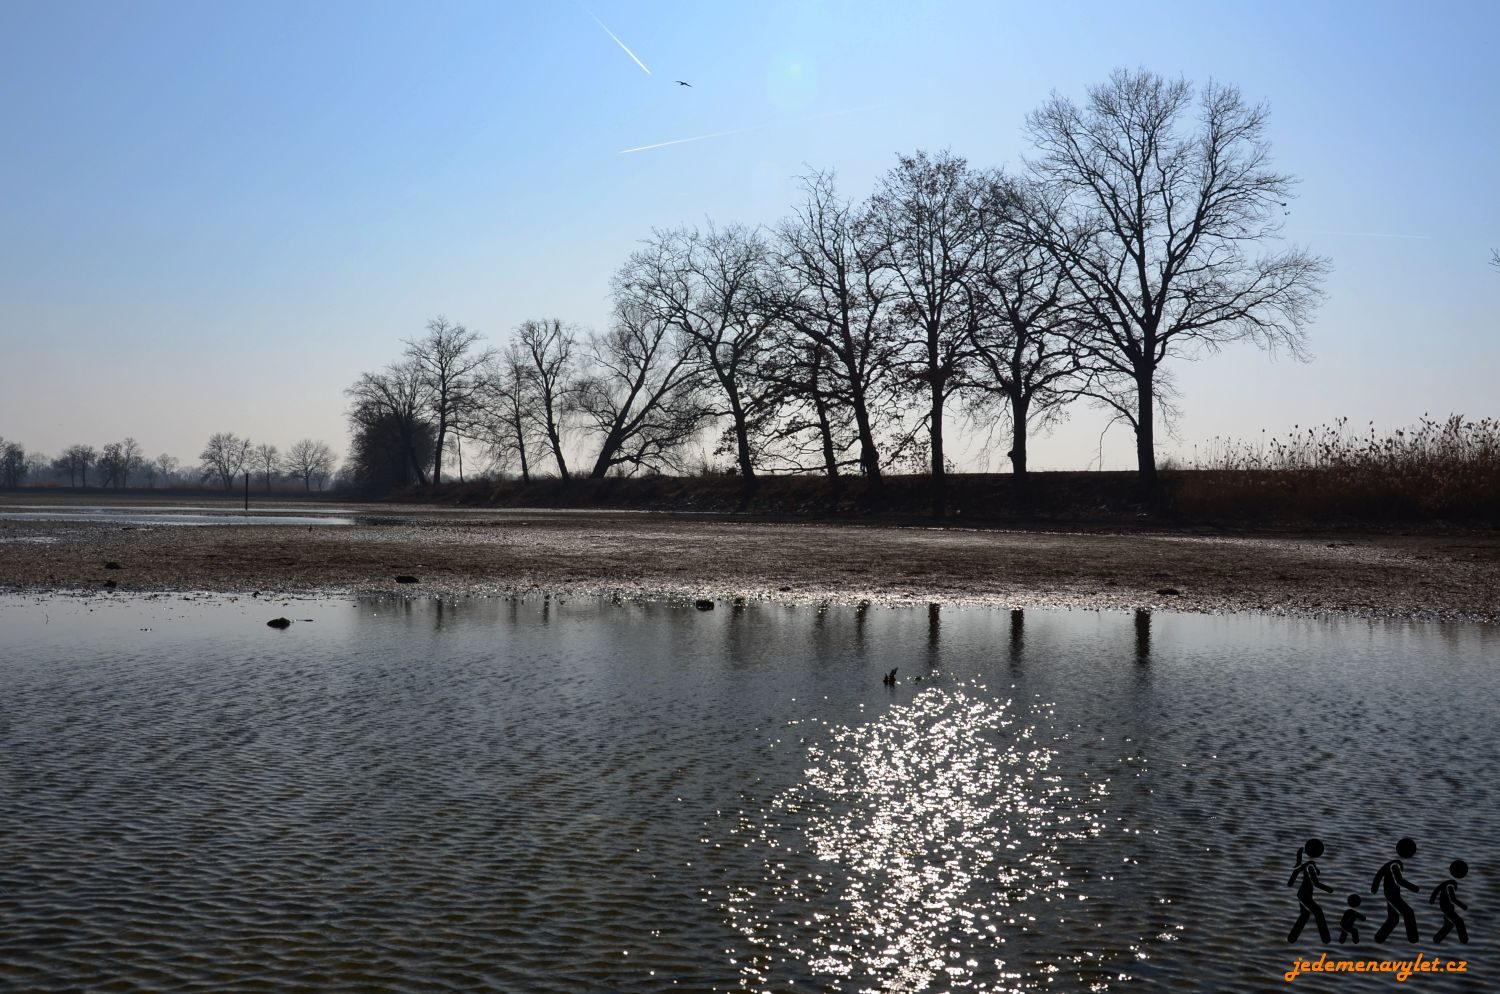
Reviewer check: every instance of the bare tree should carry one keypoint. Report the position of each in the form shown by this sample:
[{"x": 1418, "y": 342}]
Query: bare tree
[
  {"x": 1158, "y": 209},
  {"x": 450, "y": 359},
  {"x": 712, "y": 287},
  {"x": 111, "y": 465},
  {"x": 118, "y": 460},
  {"x": 395, "y": 402},
  {"x": 835, "y": 295},
  {"x": 927, "y": 214},
  {"x": 547, "y": 348},
  {"x": 166, "y": 465},
  {"x": 265, "y": 457},
  {"x": 37, "y": 465},
  {"x": 130, "y": 459},
  {"x": 224, "y": 457},
  {"x": 310, "y": 461},
  {"x": 12, "y": 464},
  {"x": 76, "y": 460},
  {"x": 1024, "y": 322},
  {"x": 505, "y": 407},
  {"x": 643, "y": 396}
]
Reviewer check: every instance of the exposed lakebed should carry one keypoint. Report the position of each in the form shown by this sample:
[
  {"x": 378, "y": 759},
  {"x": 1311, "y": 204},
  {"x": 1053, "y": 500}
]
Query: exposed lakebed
[{"x": 546, "y": 795}]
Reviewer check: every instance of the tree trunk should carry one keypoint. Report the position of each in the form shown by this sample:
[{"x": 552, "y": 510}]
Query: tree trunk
[
  {"x": 606, "y": 454},
  {"x": 1145, "y": 436},
  {"x": 742, "y": 441},
  {"x": 869, "y": 458},
  {"x": 830, "y": 459},
  {"x": 557, "y": 452},
  {"x": 437, "y": 453},
  {"x": 939, "y": 479},
  {"x": 1020, "y": 408}
]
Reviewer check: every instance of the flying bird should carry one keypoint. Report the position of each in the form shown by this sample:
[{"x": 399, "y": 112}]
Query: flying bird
[{"x": 681, "y": 83}]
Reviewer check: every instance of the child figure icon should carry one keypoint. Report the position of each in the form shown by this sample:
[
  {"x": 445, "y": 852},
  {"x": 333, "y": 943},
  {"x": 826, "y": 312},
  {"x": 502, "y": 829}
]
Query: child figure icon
[
  {"x": 1349, "y": 923},
  {"x": 1445, "y": 896}
]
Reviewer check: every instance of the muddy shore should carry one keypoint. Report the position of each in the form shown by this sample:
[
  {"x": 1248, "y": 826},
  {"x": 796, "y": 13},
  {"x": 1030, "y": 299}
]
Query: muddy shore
[{"x": 499, "y": 552}]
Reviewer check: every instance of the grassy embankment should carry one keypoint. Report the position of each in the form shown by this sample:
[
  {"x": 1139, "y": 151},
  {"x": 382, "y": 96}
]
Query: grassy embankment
[{"x": 1437, "y": 474}]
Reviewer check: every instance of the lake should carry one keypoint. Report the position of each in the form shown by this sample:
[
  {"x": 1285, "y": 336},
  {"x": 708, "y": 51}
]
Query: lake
[{"x": 584, "y": 795}]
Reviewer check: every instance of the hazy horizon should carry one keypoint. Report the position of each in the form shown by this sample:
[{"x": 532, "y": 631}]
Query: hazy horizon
[{"x": 220, "y": 216}]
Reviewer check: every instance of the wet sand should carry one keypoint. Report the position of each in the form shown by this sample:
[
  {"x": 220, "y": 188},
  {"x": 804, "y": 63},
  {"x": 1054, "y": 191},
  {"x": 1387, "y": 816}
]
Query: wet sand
[{"x": 505, "y": 552}]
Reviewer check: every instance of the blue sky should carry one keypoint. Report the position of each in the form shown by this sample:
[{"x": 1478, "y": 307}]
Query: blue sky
[{"x": 215, "y": 216}]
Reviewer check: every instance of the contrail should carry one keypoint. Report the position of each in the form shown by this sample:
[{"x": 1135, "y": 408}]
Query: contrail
[
  {"x": 679, "y": 141},
  {"x": 1375, "y": 234},
  {"x": 740, "y": 131},
  {"x": 621, "y": 44}
]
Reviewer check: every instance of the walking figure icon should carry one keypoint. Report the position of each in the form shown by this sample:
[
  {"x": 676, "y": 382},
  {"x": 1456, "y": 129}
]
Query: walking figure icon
[
  {"x": 1445, "y": 896},
  {"x": 1307, "y": 870},
  {"x": 1390, "y": 880}
]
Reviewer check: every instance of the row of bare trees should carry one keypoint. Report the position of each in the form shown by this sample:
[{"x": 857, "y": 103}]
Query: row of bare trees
[
  {"x": 848, "y": 336},
  {"x": 118, "y": 465},
  {"x": 226, "y": 456}
]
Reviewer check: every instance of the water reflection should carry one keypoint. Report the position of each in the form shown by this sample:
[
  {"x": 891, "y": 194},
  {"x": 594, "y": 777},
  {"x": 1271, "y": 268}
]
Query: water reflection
[
  {"x": 929, "y": 837},
  {"x": 1017, "y": 640},
  {"x": 1142, "y": 636}
]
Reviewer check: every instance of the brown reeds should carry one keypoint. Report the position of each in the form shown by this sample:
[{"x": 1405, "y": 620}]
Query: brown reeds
[{"x": 1438, "y": 470}]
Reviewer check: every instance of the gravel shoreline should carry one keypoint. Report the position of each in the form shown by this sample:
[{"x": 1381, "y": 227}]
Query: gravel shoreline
[{"x": 623, "y": 554}]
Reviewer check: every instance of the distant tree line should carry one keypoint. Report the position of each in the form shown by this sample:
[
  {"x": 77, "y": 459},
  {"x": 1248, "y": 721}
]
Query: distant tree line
[{"x": 122, "y": 464}]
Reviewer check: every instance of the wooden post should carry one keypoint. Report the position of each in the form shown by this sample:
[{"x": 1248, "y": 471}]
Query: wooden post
[{"x": 247, "y": 491}]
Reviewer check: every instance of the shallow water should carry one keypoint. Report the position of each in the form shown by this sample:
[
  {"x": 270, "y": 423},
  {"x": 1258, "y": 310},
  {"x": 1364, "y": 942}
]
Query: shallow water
[
  {"x": 166, "y": 515},
  {"x": 588, "y": 796}
]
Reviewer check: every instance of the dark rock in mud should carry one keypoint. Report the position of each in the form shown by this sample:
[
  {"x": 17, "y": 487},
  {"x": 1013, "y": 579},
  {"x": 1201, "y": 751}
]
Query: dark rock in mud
[
  {"x": 406, "y": 578},
  {"x": 113, "y": 565},
  {"x": 279, "y": 623},
  {"x": 703, "y": 604},
  {"x": 1169, "y": 591}
]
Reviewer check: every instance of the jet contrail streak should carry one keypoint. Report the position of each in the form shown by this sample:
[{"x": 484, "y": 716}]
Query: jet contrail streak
[
  {"x": 621, "y": 44},
  {"x": 739, "y": 131},
  {"x": 679, "y": 141},
  {"x": 1375, "y": 234}
]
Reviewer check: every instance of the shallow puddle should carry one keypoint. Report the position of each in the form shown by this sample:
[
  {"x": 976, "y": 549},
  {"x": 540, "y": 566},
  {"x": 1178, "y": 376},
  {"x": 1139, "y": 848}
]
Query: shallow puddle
[{"x": 166, "y": 516}]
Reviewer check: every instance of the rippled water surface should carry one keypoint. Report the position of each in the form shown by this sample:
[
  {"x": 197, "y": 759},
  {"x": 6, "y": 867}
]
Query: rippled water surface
[{"x": 588, "y": 796}]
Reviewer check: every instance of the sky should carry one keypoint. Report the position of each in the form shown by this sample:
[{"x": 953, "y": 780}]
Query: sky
[{"x": 215, "y": 216}]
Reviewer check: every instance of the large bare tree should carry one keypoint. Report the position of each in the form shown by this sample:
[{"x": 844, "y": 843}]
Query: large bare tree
[
  {"x": 547, "y": 349},
  {"x": 450, "y": 358},
  {"x": 928, "y": 216},
  {"x": 1025, "y": 320},
  {"x": 835, "y": 298},
  {"x": 1163, "y": 204},
  {"x": 392, "y": 405},
  {"x": 643, "y": 394},
  {"x": 504, "y": 409},
  {"x": 711, "y": 286}
]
